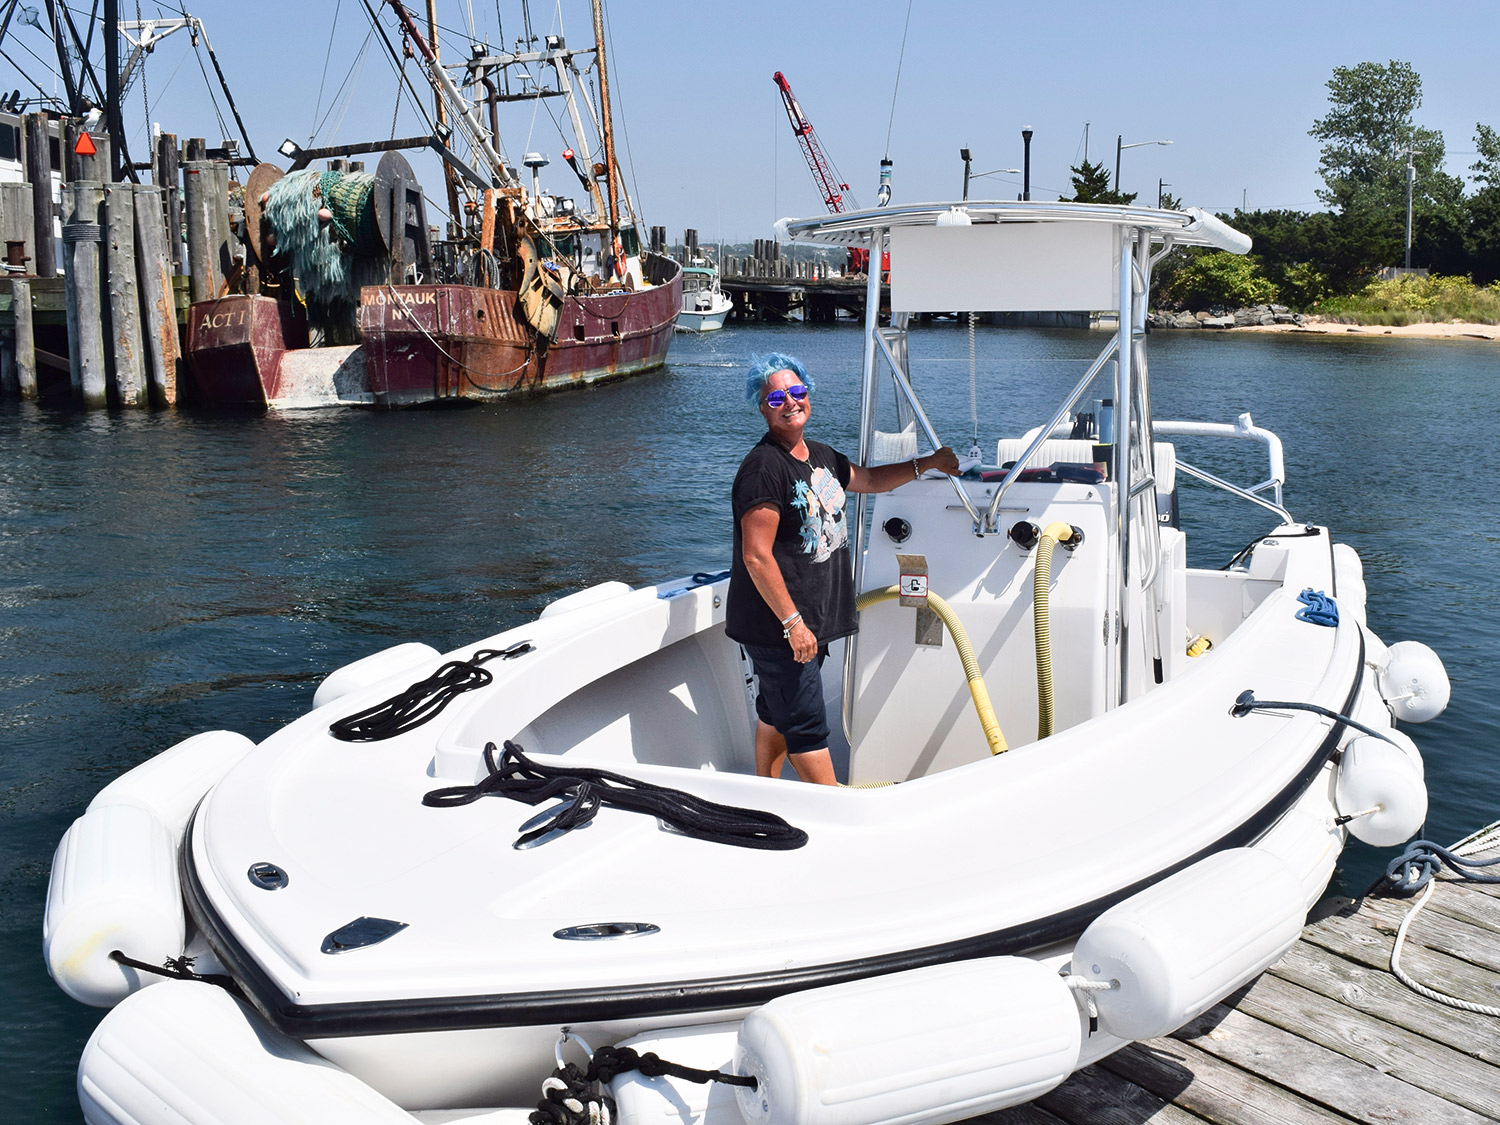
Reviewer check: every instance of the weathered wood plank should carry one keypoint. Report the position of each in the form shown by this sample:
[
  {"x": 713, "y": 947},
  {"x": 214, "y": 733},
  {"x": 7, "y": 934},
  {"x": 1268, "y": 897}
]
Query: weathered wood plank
[
  {"x": 1358, "y": 939},
  {"x": 1094, "y": 1096},
  {"x": 1318, "y": 1073},
  {"x": 1415, "y": 1060},
  {"x": 1377, "y": 992},
  {"x": 1475, "y": 903},
  {"x": 1031, "y": 1114},
  {"x": 1434, "y": 929},
  {"x": 1213, "y": 1089}
]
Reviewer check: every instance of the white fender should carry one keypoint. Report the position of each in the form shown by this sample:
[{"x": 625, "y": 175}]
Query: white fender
[
  {"x": 369, "y": 670},
  {"x": 1181, "y": 946},
  {"x": 114, "y": 887},
  {"x": 171, "y": 784},
  {"x": 926, "y": 1046},
  {"x": 1413, "y": 682},
  {"x": 676, "y": 1101},
  {"x": 1349, "y": 576},
  {"x": 1373, "y": 774},
  {"x": 186, "y": 1051}
]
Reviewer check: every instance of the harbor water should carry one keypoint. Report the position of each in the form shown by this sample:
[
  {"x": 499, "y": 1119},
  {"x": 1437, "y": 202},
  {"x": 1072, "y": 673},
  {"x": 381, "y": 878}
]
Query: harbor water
[{"x": 167, "y": 573}]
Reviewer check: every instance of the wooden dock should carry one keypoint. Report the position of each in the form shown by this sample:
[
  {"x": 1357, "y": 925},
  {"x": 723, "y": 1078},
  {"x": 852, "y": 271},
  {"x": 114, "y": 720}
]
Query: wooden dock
[{"x": 1328, "y": 1035}]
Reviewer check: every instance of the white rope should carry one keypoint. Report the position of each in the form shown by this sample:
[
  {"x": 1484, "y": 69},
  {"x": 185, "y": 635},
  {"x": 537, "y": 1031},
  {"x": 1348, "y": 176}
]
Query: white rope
[{"x": 1477, "y": 842}]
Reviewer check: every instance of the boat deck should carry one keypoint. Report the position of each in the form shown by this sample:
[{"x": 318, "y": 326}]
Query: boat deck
[{"x": 1327, "y": 1035}]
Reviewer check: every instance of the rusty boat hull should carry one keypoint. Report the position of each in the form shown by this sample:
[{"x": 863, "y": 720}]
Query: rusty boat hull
[
  {"x": 437, "y": 343},
  {"x": 235, "y": 345}
]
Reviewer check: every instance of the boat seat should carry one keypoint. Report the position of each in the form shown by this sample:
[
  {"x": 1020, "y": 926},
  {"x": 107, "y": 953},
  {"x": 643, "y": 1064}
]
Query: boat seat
[{"x": 1075, "y": 451}]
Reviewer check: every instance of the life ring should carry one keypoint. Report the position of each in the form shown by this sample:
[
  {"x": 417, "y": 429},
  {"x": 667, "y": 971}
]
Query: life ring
[{"x": 619, "y": 259}]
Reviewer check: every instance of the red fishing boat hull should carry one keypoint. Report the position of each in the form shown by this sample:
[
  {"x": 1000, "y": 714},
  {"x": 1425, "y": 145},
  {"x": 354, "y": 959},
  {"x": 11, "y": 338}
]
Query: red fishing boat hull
[
  {"x": 235, "y": 345},
  {"x": 434, "y": 343}
]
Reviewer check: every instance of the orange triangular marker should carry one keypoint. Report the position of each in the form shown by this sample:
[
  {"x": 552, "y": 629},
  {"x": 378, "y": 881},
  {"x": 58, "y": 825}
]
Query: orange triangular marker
[{"x": 85, "y": 145}]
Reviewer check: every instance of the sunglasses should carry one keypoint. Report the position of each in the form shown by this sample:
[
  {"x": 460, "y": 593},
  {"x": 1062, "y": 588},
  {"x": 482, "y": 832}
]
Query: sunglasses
[{"x": 777, "y": 399}]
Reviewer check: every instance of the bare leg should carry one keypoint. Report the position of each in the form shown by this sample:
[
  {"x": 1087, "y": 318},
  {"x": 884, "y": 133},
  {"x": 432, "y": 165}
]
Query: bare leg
[
  {"x": 770, "y": 750},
  {"x": 815, "y": 766}
]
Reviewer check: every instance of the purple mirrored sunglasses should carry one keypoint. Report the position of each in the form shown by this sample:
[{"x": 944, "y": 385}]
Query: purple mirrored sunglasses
[{"x": 777, "y": 399}]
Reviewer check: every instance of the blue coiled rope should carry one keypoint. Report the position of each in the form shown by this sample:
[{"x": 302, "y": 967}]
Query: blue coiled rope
[
  {"x": 1317, "y": 608},
  {"x": 1420, "y": 863}
]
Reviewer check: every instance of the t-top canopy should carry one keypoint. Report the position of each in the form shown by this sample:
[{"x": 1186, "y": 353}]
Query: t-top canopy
[
  {"x": 1193, "y": 227},
  {"x": 1025, "y": 257}
]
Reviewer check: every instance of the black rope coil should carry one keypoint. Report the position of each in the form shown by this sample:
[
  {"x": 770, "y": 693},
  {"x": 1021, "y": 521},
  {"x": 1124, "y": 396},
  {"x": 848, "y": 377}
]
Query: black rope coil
[
  {"x": 569, "y": 1097},
  {"x": 519, "y": 778},
  {"x": 424, "y": 699}
]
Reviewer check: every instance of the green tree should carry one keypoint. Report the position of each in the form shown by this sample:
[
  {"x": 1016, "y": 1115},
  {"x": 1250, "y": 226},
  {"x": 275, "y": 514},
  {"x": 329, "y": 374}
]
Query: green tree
[
  {"x": 1368, "y": 134},
  {"x": 1091, "y": 185},
  {"x": 1482, "y": 234},
  {"x": 1219, "y": 278}
]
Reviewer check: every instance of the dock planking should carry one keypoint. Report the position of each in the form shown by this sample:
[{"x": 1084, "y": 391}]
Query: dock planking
[{"x": 1327, "y": 1035}]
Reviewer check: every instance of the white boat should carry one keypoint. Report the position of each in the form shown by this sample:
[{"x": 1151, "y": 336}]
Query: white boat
[
  {"x": 389, "y": 930},
  {"x": 704, "y": 305}
]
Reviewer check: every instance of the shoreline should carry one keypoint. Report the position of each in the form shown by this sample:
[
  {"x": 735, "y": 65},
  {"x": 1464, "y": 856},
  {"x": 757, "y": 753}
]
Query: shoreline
[{"x": 1451, "y": 330}]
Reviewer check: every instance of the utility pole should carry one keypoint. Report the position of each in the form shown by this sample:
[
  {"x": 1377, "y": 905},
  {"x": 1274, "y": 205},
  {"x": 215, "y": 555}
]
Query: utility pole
[
  {"x": 963, "y": 154},
  {"x": 1160, "y": 185},
  {"x": 1411, "y": 179}
]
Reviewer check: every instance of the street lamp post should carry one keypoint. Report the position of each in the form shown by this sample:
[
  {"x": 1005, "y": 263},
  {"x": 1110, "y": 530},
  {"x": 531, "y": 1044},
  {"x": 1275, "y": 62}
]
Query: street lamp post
[
  {"x": 1120, "y": 146},
  {"x": 965, "y": 156},
  {"x": 1026, "y": 163}
]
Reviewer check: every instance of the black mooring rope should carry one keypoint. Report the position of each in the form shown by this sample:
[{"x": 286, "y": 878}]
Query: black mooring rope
[
  {"x": 1246, "y": 702},
  {"x": 519, "y": 778},
  {"x": 179, "y": 968},
  {"x": 569, "y": 1096},
  {"x": 424, "y": 699}
]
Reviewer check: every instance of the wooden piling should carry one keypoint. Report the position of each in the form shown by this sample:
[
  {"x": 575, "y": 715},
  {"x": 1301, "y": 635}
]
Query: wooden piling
[
  {"x": 196, "y": 149},
  {"x": 81, "y": 242},
  {"x": 167, "y": 176},
  {"x": 204, "y": 276},
  {"x": 124, "y": 296},
  {"x": 68, "y": 131},
  {"x": 16, "y": 222},
  {"x": 225, "y": 246},
  {"x": 24, "y": 336},
  {"x": 39, "y": 175},
  {"x": 158, "y": 310}
]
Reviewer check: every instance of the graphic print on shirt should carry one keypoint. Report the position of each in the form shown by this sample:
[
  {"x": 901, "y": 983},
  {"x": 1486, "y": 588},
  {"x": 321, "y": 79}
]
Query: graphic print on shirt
[{"x": 821, "y": 503}]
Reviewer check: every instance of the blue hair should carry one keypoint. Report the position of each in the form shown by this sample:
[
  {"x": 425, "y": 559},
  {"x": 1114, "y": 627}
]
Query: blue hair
[{"x": 762, "y": 367}]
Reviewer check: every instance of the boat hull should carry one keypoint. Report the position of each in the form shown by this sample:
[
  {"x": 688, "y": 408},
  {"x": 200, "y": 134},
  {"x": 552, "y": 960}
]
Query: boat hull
[
  {"x": 235, "y": 346},
  {"x": 438, "y": 343}
]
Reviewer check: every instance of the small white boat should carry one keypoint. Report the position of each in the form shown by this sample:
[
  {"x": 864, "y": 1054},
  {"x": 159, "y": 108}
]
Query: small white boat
[
  {"x": 383, "y": 927},
  {"x": 704, "y": 305}
]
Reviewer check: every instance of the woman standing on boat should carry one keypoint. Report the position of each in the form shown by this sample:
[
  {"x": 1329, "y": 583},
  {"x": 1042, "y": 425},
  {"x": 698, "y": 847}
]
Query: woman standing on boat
[{"x": 791, "y": 584}]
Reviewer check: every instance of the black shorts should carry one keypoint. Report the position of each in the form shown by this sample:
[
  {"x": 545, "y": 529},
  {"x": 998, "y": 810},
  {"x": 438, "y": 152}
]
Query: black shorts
[{"x": 791, "y": 696}]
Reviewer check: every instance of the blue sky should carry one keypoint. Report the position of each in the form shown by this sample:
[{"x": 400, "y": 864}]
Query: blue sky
[{"x": 1235, "y": 88}]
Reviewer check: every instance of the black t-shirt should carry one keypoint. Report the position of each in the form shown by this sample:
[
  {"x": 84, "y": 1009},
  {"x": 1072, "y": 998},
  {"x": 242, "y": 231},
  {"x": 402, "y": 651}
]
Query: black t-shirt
[{"x": 811, "y": 547}]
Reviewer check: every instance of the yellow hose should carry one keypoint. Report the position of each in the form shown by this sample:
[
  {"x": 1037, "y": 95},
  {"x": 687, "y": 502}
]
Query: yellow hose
[
  {"x": 955, "y": 629},
  {"x": 1057, "y": 532}
]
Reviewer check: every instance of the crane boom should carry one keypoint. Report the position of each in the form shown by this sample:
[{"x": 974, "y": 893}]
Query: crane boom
[{"x": 817, "y": 161}]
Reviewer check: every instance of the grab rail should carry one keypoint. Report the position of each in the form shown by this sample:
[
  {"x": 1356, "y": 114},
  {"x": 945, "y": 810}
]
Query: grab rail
[
  {"x": 911, "y": 397},
  {"x": 1244, "y": 428},
  {"x": 1046, "y": 431}
]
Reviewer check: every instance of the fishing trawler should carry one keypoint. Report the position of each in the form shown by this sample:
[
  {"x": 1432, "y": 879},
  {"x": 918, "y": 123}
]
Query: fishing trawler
[
  {"x": 458, "y": 875},
  {"x": 536, "y": 290}
]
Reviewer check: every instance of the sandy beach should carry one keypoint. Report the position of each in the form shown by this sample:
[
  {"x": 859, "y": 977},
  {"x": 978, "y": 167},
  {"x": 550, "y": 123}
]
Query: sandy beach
[{"x": 1448, "y": 331}]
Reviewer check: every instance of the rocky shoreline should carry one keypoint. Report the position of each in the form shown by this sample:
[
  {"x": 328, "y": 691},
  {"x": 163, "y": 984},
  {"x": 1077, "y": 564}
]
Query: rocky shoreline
[{"x": 1279, "y": 318}]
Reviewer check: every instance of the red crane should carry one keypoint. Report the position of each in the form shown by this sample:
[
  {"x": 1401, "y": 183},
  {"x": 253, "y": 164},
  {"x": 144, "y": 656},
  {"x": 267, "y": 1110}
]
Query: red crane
[
  {"x": 822, "y": 168},
  {"x": 824, "y": 173}
]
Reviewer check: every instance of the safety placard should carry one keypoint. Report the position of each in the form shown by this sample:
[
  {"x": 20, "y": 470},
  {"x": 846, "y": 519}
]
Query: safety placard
[{"x": 914, "y": 585}]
